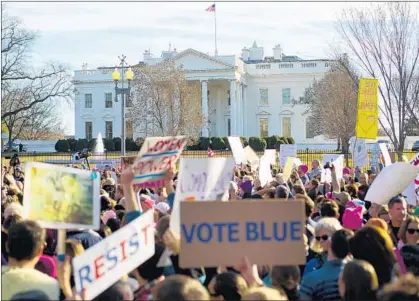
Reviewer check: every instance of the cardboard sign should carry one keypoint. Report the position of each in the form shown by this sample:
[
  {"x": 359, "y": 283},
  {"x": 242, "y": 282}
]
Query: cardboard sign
[
  {"x": 127, "y": 161},
  {"x": 289, "y": 165},
  {"x": 237, "y": 149},
  {"x": 337, "y": 161},
  {"x": 200, "y": 180},
  {"x": 265, "y": 174},
  {"x": 106, "y": 262},
  {"x": 271, "y": 155},
  {"x": 391, "y": 181},
  {"x": 156, "y": 156},
  {"x": 61, "y": 197},
  {"x": 386, "y": 155},
  {"x": 251, "y": 157},
  {"x": 221, "y": 233},
  {"x": 359, "y": 151},
  {"x": 367, "y": 115},
  {"x": 286, "y": 150}
]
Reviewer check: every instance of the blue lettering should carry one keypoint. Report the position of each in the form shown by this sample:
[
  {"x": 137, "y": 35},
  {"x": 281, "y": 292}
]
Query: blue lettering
[
  {"x": 219, "y": 227},
  {"x": 111, "y": 258},
  {"x": 277, "y": 231},
  {"x": 84, "y": 274},
  {"x": 188, "y": 236},
  {"x": 233, "y": 230},
  {"x": 200, "y": 232},
  {"x": 133, "y": 242},
  {"x": 262, "y": 230},
  {"x": 295, "y": 230},
  {"x": 251, "y": 231}
]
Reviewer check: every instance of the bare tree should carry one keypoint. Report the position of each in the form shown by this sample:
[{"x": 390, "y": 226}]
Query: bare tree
[
  {"x": 384, "y": 39},
  {"x": 165, "y": 103},
  {"x": 24, "y": 87},
  {"x": 331, "y": 103}
]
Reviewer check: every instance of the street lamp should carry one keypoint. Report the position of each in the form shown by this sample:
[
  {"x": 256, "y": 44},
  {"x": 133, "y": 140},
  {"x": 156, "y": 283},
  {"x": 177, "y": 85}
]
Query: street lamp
[{"x": 116, "y": 76}]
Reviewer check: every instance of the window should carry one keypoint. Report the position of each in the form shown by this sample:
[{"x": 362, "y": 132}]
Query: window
[
  {"x": 228, "y": 127},
  {"x": 129, "y": 129},
  {"x": 286, "y": 65},
  {"x": 109, "y": 129},
  {"x": 128, "y": 101},
  {"x": 88, "y": 130},
  {"x": 263, "y": 100},
  {"x": 286, "y": 126},
  {"x": 229, "y": 98},
  {"x": 308, "y": 65},
  {"x": 88, "y": 101},
  {"x": 263, "y": 66},
  {"x": 108, "y": 100},
  {"x": 208, "y": 93},
  {"x": 286, "y": 96},
  {"x": 263, "y": 127}
]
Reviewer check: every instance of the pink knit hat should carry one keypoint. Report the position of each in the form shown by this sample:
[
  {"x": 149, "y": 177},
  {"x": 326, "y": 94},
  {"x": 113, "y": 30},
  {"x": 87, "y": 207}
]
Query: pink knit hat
[
  {"x": 108, "y": 215},
  {"x": 304, "y": 168},
  {"x": 346, "y": 171},
  {"x": 352, "y": 218}
]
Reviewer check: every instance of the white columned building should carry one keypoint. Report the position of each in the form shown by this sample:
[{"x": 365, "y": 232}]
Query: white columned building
[{"x": 246, "y": 95}]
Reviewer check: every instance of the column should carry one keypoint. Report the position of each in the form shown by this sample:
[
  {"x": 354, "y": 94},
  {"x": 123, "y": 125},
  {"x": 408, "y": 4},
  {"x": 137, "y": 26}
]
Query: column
[
  {"x": 244, "y": 115},
  {"x": 233, "y": 107},
  {"x": 204, "y": 89},
  {"x": 239, "y": 113}
]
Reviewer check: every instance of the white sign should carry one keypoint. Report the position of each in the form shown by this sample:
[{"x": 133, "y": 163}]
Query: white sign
[
  {"x": 386, "y": 155},
  {"x": 326, "y": 176},
  {"x": 359, "y": 151},
  {"x": 106, "y": 262},
  {"x": 105, "y": 164},
  {"x": 237, "y": 149},
  {"x": 265, "y": 174},
  {"x": 415, "y": 162},
  {"x": 271, "y": 155},
  {"x": 286, "y": 150},
  {"x": 337, "y": 161},
  {"x": 251, "y": 157}
]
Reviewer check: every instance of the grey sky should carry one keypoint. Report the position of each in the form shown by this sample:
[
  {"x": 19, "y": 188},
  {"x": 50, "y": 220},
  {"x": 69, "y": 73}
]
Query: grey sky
[{"x": 97, "y": 32}]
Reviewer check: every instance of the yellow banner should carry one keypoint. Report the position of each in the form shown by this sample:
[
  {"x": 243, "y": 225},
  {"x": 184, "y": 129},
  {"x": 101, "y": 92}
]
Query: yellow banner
[{"x": 367, "y": 117}]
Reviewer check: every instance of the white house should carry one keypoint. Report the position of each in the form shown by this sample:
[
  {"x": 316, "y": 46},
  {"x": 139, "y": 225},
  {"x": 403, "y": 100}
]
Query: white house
[{"x": 250, "y": 95}]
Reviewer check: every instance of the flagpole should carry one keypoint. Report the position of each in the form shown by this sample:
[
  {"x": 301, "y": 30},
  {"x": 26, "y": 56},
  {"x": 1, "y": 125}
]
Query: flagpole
[{"x": 215, "y": 28}]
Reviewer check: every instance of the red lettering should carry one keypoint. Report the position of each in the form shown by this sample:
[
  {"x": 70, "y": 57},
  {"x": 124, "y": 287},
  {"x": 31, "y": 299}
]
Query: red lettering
[
  {"x": 144, "y": 229},
  {"x": 122, "y": 244},
  {"x": 99, "y": 264}
]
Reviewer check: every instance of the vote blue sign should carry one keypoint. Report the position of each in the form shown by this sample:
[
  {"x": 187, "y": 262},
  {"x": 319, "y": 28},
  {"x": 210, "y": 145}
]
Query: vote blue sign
[{"x": 221, "y": 233}]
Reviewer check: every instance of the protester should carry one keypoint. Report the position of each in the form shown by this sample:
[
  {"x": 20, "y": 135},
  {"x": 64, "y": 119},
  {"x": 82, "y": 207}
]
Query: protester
[
  {"x": 397, "y": 207},
  {"x": 287, "y": 279},
  {"x": 227, "y": 286}
]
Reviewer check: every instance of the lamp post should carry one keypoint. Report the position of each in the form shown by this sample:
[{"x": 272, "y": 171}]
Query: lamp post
[{"x": 116, "y": 76}]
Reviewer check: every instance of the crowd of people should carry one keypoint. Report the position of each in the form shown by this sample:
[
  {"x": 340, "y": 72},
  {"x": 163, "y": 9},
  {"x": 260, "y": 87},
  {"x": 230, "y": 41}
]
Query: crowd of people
[{"x": 355, "y": 249}]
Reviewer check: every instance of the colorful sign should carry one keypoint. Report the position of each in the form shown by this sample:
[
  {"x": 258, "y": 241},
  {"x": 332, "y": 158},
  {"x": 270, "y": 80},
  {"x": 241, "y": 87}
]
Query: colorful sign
[
  {"x": 286, "y": 150},
  {"x": 155, "y": 158},
  {"x": 106, "y": 262},
  {"x": 358, "y": 148},
  {"x": 61, "y": 197},
  {"x": 415, "y": 186},
  {"x": 237, "y": 149},
  {"x": 375, "y": 155},
  {"x": 222, "y": 233},
  {"x": 367, "y": 117}
]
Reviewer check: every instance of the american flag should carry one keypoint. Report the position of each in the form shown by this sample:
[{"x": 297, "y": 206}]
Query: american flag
[
  {"x": 211, "y": 8},
  {"x": 210, "y": 153}
]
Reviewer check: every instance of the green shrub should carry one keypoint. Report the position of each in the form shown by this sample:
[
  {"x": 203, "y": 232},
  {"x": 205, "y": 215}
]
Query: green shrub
[
  {"x": 244, "y": 141},
  {"x": 290, "y": 140},
  {"x": 117, "y": 144},
  {"x": 273, "y": 141},
  {"x": 139, "y": 142},
  {"x": 109, "y": 145},
  {"x": 192, "y": 144},
  {"x": 130, "y": 145},
  {"x": 218, "y": 143},
  {"x": 92, "y": 144},
  {"x": 82, "y": 144},
  {"x": 72, "y": 144},
  {"x": 284, "y": 140},
  {"x": 62, "y": 146},
  {"x": 204, "y": 143},
  {"x": 226, "y": 142},
  {"x": 258, "y": 144},
  {"x": 266, "y": 139}
]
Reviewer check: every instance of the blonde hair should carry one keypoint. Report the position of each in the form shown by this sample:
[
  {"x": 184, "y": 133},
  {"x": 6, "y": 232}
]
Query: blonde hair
[
  {"x": 247, "y": 178},
  {"x": 264, "y": 293},
  {"x": 383, "y": 210},
  {"x": 403, "y": 228},
  {"x": 328, "y": 224}
]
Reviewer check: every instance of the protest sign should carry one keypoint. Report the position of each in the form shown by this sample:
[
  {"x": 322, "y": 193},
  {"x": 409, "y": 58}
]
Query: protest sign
[
  {"x": 237, "y": 149},
  {"x": 286, "y": 150},
  {"x": 326, "y": 176},
  {"x": 251, "y": 157},
  {"x": 61, "y": 197},
  {"x": 106, "y": 262},
  {"x": 391, "y": 181},
  {"x": 337, "y": 161},
  {"x": 359, "y": 151},
  {"x": 127, "y": 161},
  {"x": 105, "y": 164},
  {"x": 375, "y": 155},
  {"x": 271, "y": 155},
  {"x": 265, "y": 174},
  {"x": 289, "y": 165},
  {"x": 156, "y": 156},
  {"x": 367, "y": 116},
  {"x": 199, "y": 180},
  {"x": 415, "y": 162},
  {"x": 222, "y": 233},
  {"x": 386, "y": 155}
]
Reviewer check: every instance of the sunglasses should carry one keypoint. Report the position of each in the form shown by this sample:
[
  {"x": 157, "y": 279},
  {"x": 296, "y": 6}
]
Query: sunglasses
[
  {"x": 412, "y": 231},
  {"x": 323, "y": 237}
]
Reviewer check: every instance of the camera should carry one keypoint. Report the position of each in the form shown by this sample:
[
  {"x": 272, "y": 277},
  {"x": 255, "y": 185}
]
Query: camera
[
  {"x": 328, "y": 165},
  {"x": 84, "y": 154}
]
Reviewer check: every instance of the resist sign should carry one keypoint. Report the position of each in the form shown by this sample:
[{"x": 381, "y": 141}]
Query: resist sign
[
  {"x": 221, "y": 233},
  {"x": 106, "y": 262}
]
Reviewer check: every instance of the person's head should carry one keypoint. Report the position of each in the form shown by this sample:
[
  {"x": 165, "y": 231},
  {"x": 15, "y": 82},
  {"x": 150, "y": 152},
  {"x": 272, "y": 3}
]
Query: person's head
[
  {"x": 180, "y": 288},
  {"x": 315, "y": 164},
  {"x": 375, "y": 246},
  {"x": 282, "y": 192},
  {"x": 265, "y": 294},
  {"x": 117, "y": 292},
  {"x": 409, "y": 230},
  {"x": 10, "y": 221},
  {"x": 363, "y": 179},
  {"x": 342, "y": 198},
  {"x": 358, "y": 281},
  {"x": 308, "y": 203},
  {"x": 302, "y": 170},
  {"x": 148, "y": 271},
  {"x": 105, "y": 203},
  {"x": 146, "y": 202},
  {"x": 374, "y": 209},
  {"x": 377, "y": 222},
  {"x": 314, "y": 184},
  {"x": 285, "y": 277},
  {"x": 340, "y": 243},
  {"x": 227, "y": 286},
  {"x": 362, "y": 192},
  {"x": 329, "y": 209},
  {"x": 119, "y": 192},
  {"x": 298, "y": 189},
  {"x": 279, "y": 178},
  {"x": 352, "y": 189},
  {"x": 73, "y": 248},
  {"x": 383, "y": 213},
  {"x": 324, "y": 230},
  {"x": 371, "y": 178},
  {"x": 26, "y": 242},
  {"x": 404, "y": 288},
  {"x": 397, "y": 208},
  {"x": 113, "y": 224}
]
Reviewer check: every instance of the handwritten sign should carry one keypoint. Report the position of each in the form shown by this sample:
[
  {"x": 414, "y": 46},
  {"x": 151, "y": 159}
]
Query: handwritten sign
[
  {"x": 271, "y": 155},
  {"x": 358, "y": 148},
  {"x": 337, "y": 161},
  {"x": 61, "y": 197},
  {"x": 367, "y": 116},
  {"x": 105, "y": 164},
  {"x": 265, "y": 174},
  {"x": 199, "y": 180},
  {"x": 214, "y": 234},
  {"x": 127, "y": 161},
  {"x": 251, "y": 157},
  {"x": 375, "y": 155},
  {"x": 386, "y": 155},
  {"x": 156, "y": 156},
  {"x": 106, "y": 262},
  {"x": 286, "y": 150},
  {"x": 415, "y": 162},
  {"x": 289, "y": 165},
  {"x": 237, "y": 149}
]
